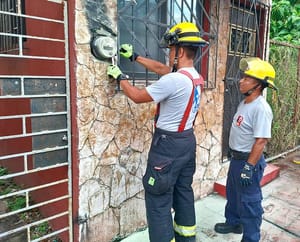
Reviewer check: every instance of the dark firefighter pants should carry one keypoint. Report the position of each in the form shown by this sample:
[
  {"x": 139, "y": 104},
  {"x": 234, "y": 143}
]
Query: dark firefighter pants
[
  {"x": 167, "y": 182},
  {"x": 244, "y": 203}
]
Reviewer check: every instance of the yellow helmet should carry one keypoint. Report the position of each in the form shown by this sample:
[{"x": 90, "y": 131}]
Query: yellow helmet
[
  {"x": 259, "y": 69},
  {"x": 184, "y": 33}
]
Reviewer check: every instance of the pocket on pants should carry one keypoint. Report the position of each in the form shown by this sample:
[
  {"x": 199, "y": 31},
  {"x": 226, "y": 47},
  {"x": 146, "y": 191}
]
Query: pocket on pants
[
  {"x": 252, "y": 209},
  {"x": 158, "y": 177}
]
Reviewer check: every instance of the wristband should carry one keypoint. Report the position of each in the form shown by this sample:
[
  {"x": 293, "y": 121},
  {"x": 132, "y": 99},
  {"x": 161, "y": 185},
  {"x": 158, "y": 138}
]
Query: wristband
[
  {"x": 134, "y": 56},
  {"x": 122, "y": 77}
]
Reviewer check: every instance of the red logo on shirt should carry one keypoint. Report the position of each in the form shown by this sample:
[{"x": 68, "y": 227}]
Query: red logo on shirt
[{"x": 239, "y": 120}]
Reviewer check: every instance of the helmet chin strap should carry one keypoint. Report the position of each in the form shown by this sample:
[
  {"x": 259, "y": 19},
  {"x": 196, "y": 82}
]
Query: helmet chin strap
[
  {"x": 175, "y": 59},
  {"x": 248, "y": 93}
]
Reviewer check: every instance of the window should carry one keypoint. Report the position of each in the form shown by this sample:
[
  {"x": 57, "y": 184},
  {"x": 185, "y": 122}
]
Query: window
[
  {"x": 143, "y": 23},
  {"x": 242, "y": 31},
  {"x": 11, "y": 25},
  {"x": 242, "y": 41}
]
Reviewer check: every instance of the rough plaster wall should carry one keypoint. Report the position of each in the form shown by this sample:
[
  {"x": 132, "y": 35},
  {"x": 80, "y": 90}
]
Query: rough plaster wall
[{"x": 115, "y": 134}]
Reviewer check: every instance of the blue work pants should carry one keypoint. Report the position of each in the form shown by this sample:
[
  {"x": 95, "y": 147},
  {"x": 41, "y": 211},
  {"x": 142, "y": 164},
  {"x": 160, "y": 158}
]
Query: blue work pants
[
  {"x": 244, "y": 203},
  {"x": 167, "y": 182}
]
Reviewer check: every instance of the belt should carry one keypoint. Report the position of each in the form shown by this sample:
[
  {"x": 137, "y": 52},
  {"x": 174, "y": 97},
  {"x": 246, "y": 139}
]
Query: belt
[
  {"x": 238, "y": 155},
  {"x": 185, "y": 133}
]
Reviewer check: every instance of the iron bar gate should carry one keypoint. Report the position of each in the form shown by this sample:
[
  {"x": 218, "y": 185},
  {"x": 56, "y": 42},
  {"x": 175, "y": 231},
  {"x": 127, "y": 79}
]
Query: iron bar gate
[{"x": 35, "y": 159}]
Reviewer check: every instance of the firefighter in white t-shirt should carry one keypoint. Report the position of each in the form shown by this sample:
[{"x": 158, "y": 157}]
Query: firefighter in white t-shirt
[{"x": 171, "y": 160}]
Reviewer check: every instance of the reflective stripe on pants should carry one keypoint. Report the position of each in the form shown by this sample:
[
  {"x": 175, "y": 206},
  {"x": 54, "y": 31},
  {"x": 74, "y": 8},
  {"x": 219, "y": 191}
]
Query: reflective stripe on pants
[{"x": 185, "y": 231}]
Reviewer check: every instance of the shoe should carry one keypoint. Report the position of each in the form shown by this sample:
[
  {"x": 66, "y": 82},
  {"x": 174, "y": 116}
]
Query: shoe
[{"x": 224, "y": 228}]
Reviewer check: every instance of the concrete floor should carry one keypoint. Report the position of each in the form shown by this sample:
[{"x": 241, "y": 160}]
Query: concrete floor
[{"x": 281, "y": 220}]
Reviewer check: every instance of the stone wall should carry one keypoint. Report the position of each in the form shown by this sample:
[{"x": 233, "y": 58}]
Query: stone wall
[{"x": 115, "y": 133}]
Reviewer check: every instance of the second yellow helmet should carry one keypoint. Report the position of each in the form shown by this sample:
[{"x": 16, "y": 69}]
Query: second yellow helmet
[{"x": 259, "y": 69}]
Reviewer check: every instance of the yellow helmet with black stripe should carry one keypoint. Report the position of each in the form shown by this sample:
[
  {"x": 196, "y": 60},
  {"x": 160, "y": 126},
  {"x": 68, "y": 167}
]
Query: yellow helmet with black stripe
[
  {"x": 259, "y": 69},
  {"x": 185, "y": 34}
]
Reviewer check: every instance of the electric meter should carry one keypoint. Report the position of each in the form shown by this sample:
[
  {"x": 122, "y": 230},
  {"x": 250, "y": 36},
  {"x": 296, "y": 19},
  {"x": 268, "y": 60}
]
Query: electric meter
[{"x": 103, "y": 47}]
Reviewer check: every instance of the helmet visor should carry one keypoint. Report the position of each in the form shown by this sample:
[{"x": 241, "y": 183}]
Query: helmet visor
[{"x": 244, "y": 64}]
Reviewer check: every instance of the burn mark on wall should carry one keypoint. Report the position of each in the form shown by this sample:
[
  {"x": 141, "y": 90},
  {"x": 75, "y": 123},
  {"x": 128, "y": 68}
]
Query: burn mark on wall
[{"x": 96, "y": 12}]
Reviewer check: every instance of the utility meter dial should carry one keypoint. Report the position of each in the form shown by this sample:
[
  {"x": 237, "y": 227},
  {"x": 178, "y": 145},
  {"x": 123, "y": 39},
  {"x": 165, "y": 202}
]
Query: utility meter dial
[{"x": 103, "y": 47}]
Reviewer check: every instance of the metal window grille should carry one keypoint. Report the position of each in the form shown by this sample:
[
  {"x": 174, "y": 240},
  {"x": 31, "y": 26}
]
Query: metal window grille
[
  {"x": 247, "y": 35},
  {"x": 143, "y": 23},
  {"x": 10, "y": 25}
]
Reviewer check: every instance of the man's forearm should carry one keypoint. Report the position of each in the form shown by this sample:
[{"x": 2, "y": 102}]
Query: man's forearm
[
  {"x": 153, "y": 65},
  {"x": 257, "y": 150},
  {"x": 135, "y": 94}
]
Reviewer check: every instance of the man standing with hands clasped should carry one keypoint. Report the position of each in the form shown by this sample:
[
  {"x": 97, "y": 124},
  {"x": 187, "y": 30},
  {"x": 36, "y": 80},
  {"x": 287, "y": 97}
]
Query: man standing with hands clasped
[
  {"x": 171, "y": 159},
  {"x": 250, "y": 131}
]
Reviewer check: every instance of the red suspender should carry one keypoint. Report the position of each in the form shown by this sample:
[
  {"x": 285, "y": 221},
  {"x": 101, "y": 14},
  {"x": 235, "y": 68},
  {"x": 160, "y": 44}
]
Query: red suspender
[
  {"x": 186, "y": 112},
  {"x": 196, "y": 81},
  {"x": 156, "y": 114}
]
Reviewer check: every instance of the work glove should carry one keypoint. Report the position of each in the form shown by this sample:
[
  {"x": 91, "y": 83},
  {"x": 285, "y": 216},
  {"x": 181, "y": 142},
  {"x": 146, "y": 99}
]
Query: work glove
[
  {"x": 246, "y": 175},
  {"x": 126, "y": 51},
  {"x": 115, "y": 72}
]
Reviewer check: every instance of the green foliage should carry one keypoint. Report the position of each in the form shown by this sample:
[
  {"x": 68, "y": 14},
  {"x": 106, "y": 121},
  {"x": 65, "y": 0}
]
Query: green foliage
[
  {"x": 4, "y": 183},
  {"x": 3, "y": 171},
  {"x": 5, "y": 190},
  {"x": 16, "y": 203},
  {"x": 40, "y": 230},
  {"x": 285, "y": 21},
  {"x": 286, "y": 123}
]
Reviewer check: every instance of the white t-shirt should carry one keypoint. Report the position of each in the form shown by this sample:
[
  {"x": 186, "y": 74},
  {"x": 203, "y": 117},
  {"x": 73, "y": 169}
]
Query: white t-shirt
[
  {"x": 252, "y": 120},
  {"x": 173, "y": 92}
]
